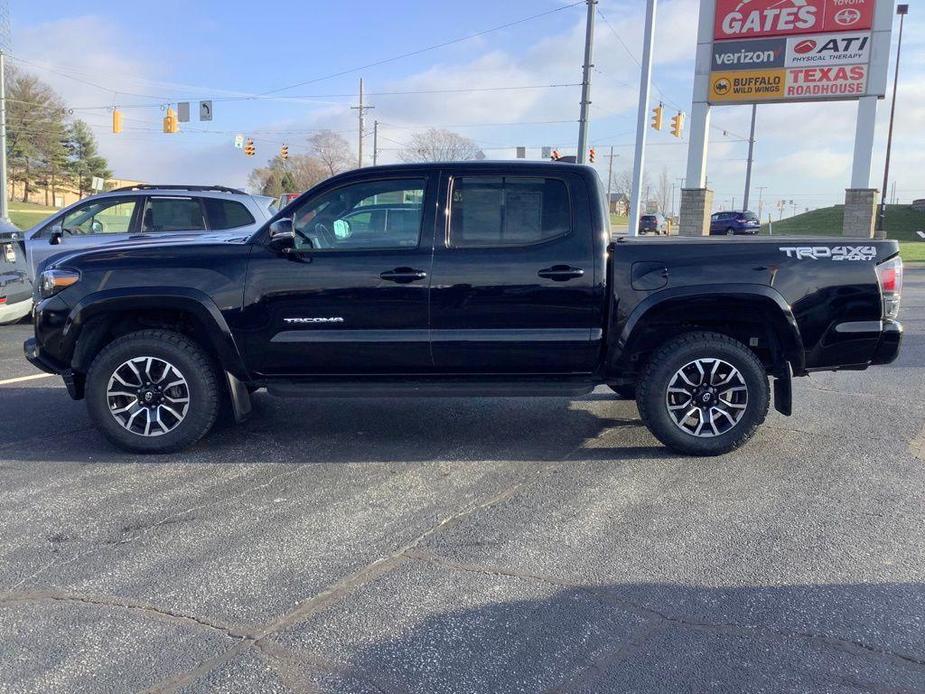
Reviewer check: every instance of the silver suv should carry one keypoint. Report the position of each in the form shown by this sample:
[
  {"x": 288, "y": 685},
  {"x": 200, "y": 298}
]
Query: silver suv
[{"x": 145, "y": 211}]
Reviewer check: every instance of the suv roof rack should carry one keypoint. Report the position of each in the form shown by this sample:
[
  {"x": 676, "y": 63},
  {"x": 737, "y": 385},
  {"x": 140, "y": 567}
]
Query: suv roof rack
[{"x": 147, "y": 186}]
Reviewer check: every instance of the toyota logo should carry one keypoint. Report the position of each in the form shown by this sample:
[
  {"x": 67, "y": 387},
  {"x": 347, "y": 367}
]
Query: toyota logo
[{"x": 847, "y": 16}]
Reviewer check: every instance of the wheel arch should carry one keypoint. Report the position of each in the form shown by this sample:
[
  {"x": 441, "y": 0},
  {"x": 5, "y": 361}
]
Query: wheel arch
[
  {"x": 742, "y": 311},
  {"x": 100, "y": 317}
]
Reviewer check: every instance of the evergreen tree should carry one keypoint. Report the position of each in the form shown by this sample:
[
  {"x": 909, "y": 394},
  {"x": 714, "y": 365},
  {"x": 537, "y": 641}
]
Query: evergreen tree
[{"x": 84, "y": 160}]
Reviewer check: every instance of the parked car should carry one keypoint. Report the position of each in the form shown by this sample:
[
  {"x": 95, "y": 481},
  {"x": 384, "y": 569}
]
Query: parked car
[
  {"x": 144, "y": 211},
  {"x": 653, "y": 223},
  {"x": 735, "y": 222},
  {"x": 498, "y": 279},
  {"x": 15, "y": 286}
]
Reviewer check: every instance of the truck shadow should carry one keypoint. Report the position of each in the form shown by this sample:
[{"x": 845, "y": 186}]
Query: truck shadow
[
  {"x": 641, "y": 637},
  {"x": 43, "y": 424}
]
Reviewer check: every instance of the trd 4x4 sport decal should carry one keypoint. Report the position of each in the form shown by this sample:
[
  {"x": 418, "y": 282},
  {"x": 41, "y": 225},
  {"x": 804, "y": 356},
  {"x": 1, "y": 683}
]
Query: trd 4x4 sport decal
[{"x": 826, "y": 253}]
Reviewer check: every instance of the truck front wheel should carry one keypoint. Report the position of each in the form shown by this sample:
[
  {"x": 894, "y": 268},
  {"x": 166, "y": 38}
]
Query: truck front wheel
[
  {"x": 153, "y": 391},
  {"x": 703, "y": 393}
]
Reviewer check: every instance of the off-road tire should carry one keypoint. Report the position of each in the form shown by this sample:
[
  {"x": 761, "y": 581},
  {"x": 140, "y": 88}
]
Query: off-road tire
[
  {"x": 197, "y": 368},
  {"x": 673, "y": 355}
]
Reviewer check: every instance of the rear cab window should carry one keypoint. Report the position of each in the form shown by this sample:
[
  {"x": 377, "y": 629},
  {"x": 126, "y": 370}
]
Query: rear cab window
[{"x": 495, "y": 211}]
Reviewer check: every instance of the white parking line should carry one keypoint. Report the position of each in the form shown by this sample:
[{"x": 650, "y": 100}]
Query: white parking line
[{"x": 20, "y": 379}]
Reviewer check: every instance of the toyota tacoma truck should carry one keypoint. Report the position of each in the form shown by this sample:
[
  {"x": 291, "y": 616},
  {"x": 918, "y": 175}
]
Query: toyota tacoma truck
[{"x": 460, "y": 279}]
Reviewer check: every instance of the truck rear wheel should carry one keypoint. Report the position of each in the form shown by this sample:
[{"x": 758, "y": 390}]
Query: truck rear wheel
[
  {"x": 703, "y": 393},
  {"x": 153, "y": 391}
]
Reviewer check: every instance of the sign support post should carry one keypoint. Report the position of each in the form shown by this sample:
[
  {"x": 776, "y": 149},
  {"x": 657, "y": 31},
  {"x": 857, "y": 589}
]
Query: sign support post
[{"x": 642, "y": 124}]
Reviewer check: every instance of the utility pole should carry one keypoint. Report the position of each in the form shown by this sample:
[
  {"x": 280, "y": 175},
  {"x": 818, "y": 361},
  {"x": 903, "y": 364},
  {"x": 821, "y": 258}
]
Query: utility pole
[
  {"x": 642, "y": 118},
  {"x": 5, "y": 223},
  {"x": 902, "y": 11},
  {"x": 361, "y": 109},
  {"x": 761, "y": 190},
  {"x": 586, "y": 85},
  {"x": 610, "y": 180},
  {"x": 751, "y": 150},
  {"x": 375, "y": 142}
]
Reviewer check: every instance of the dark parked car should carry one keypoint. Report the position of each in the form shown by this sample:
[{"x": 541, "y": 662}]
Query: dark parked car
[
  {"x": 730, "y": 223},
  {"x": 653, "y": 224},
  {"x": 492, "y": 278}
]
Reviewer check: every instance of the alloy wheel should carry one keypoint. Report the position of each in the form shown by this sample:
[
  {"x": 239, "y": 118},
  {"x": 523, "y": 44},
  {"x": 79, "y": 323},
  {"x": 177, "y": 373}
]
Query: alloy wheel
[
  {"x": 148, "y": 396},
  {"x": 706, "y": 397}
]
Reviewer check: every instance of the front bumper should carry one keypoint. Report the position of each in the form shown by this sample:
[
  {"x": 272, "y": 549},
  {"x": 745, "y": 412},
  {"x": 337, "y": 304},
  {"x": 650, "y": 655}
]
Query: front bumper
[
  {"x": 891, "y": 338},
  {"x": 39, "y": 360}
]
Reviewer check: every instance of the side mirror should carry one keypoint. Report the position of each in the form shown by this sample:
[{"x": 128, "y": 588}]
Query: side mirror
[
  {"x": 54, "y": 237},
  {"x": 282, "y": 234}
]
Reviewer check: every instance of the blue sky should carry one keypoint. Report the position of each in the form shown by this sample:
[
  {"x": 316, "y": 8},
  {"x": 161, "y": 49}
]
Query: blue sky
[{"x": 143, "y": 54}]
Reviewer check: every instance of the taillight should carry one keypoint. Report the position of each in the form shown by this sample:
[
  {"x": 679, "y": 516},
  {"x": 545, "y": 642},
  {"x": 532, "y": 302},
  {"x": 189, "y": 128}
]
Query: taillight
[{"x": 890, "y": 278}]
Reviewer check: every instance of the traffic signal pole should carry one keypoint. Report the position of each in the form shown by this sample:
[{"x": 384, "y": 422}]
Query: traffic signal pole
[
  {"x": 642, "y": 126},
  {"x": 586, "y": 84}
]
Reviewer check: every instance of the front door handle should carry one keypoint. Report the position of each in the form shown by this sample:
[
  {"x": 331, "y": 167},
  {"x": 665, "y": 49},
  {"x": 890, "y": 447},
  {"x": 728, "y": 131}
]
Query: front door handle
[
  {"x": 403, "y": 275},
  {"x": 561, "y": 273}
]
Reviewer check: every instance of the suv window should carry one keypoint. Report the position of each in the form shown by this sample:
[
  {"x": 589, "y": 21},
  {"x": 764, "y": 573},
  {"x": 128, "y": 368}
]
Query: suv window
[
  {"x": 369, "y": 215},
  {"x": 172, "y": 214},
  {"x": 507, "y": 210},
  {"x": 227, "y": 214},
  {"x": 105, "y": 216}
]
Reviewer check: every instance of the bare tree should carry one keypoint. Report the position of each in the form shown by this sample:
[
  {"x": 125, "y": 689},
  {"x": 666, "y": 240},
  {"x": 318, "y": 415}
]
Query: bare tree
[
  {"x": 296, "y": 175},
  {"x": 435, "y": 144},
  {"x": 332, "y": 150},
  {"x": 663, "y": 192}
]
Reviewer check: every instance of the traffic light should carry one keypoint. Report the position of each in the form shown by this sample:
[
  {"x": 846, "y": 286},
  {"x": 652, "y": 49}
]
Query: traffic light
[
  {"x": 249, "y": 148},
  {"x": 657, "y": 114},
  {"x": 677, "y": 124},
  {"x": 171, "y": 123},
  {"x": 284, "y": 152},
  {"x": 116, "y": 121},
  {"x": 555, "y": 155},
  {"x": 591, "y": 155}
]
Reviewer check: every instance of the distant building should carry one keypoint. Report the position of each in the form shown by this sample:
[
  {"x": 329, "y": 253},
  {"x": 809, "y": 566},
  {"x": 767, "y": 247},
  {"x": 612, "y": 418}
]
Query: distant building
[{"x": 62, "y": 194}]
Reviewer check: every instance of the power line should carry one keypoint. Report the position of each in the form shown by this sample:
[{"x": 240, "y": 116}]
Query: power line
[{"x": 425, "y": 50}]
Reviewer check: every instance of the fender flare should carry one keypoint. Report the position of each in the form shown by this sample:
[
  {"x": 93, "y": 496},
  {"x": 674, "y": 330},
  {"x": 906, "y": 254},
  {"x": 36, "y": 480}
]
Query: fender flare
[
  {"x": 791, "y": 340},
  {"x": 189, "y": 300}
]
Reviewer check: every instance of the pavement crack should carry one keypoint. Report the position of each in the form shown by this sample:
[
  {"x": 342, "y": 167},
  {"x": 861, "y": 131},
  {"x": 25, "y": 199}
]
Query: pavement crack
[
  {"x": 144, "y": 530},
  {"x": 608, "y": 595},
  {"x": 380, "y": 566},
  {"x": 148, "y": 610}
]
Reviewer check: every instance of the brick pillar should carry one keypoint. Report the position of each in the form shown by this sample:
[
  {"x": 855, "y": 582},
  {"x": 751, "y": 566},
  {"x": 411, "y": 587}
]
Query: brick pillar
[
  {"x": 696, "y": 207},
  {"x": 860, "y": 212}
]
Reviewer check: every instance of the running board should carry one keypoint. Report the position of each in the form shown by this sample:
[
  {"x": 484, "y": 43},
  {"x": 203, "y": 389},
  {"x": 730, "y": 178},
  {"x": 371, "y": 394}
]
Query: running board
[{"x": 430, "y": 389}]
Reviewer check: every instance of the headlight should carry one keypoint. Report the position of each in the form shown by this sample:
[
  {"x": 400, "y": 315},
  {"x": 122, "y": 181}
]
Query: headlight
[{"x": 53, "y": 281}]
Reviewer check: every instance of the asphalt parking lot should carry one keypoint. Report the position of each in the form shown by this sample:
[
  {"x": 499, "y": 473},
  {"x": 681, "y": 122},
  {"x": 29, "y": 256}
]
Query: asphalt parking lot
[{"x": 468, "y": 546}]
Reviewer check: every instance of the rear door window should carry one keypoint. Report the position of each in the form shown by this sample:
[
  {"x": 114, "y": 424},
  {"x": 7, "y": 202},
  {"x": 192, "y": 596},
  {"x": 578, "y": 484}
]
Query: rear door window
[
  {"x": 227, "y": 214},
  {"x": 488, "y": 211},
  {"x": 172, "y": 214}
]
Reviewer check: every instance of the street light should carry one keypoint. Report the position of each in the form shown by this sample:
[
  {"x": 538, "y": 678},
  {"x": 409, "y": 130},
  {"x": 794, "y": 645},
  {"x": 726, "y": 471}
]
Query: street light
[{"x": 902, "y": 11}]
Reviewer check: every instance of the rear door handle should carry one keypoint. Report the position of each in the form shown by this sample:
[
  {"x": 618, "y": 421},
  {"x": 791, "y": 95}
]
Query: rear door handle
[
  {"x": 403, "y": 275},
  {"x": 561, "y": 273}
]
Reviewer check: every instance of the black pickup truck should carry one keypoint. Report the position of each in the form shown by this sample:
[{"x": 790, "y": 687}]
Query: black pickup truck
[{"x": 460, "y": 279}]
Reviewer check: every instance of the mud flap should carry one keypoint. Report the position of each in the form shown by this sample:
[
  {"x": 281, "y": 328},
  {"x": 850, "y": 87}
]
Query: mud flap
[
  {"x": 783, "y": 390},
  {"x": 240, "y": 398}
]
